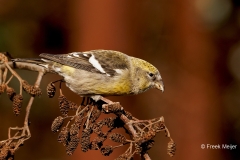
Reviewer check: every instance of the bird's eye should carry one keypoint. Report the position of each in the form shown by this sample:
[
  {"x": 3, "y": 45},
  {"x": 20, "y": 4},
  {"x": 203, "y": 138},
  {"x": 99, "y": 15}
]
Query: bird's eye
[{"x": 151, "y": 74}]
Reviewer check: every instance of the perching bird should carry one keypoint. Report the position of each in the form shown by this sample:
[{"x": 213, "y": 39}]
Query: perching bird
[{"x": 104, "y": 72}]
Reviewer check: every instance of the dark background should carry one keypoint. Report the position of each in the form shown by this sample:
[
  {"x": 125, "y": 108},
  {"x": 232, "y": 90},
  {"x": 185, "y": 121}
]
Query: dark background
[{"x": 195, "y": 44}]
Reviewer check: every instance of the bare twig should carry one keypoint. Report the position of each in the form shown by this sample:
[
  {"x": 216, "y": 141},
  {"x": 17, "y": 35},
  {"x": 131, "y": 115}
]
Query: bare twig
[
  {"x": 26, "y": 66},
  {"x": 5, "y": 74},
  {"x": 22, "y": 133}
]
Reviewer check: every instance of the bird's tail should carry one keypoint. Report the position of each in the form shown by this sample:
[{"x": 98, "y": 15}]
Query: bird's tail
[
  {"x": 28, "y": 60},
  {"x": 36, "y": 61}
]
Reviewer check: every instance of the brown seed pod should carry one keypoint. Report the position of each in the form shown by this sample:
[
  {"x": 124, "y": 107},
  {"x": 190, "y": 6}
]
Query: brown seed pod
[
  {"x": 97, "y": 143},
  {"x": 145, "y": 137},
  {"x": 128, "y": 115},
  {"x": 26, "y": 86},
  {"x": 4, "y": 153},
  {"x": 36, "y": 91},
  {"x": 110, "y": 122},
  {"x": 17, "y": 104},
  {"x": 74, "y": 129},
  {"x": 112, "y": 108},
  {"x": 95, "y": 115},
  {"x": 85, "y": 140},
  {"x": 171, "y": 149},
  {"x": 63, "y": 136},
  {"x": 78, "y": 120},
  {"x": 10, "y": 92},
  {"x": 57, "y": 123},
  {"x": 2, "y": 144},
  {"x": 106, "y": 150},
  {"x": 72, "y": 145},
  {"x": 32, "y": 90},
  {"x": 97, "y": 128},
  {"x": 2, "y": 88},
  {"x": 117, "y": 137},
  {"x": 143, "y": 147},
  {"x": 51, "y": 90},
  {"x": 63, "y": 105},
  {"x": 73, "y": 106}
]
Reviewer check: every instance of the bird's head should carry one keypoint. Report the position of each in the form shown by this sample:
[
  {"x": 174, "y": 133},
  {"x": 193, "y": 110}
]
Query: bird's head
[{"x": 146, "y": 76}]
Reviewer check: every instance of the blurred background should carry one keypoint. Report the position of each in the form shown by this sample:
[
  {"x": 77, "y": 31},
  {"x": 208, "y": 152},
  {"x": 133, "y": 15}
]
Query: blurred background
[{"x": 195, "y": 44}]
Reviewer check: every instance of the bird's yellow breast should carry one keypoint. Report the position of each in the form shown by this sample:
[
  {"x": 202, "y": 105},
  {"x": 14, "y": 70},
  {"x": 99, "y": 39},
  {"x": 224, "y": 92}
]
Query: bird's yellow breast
[
  {"x": 117, "y": 88},
  {"x": 84, "y": 82}
]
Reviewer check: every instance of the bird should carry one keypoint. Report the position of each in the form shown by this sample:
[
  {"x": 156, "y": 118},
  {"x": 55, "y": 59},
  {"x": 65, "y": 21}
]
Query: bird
[{"x": 102, "y": 72}]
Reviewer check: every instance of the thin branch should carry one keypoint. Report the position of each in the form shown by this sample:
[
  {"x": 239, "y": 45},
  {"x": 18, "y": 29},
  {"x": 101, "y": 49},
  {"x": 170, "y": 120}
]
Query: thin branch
[
  {"x": 28, "y": 108},
  {"x": 9, "y": 79},
  {"x": 26, "y": 120},
  {"x": 146, "y": 156},
  {"x": 39, "y": 78},
  {"x": 26, "y": 66},
  {"x": 5, "y": 74},
  {"x": 16, "y": 75}
]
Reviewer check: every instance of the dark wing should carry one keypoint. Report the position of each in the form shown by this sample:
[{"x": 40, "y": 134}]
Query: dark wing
[
  {"x": 69, "y": 60},
  {"x": 97, "y": 61}
]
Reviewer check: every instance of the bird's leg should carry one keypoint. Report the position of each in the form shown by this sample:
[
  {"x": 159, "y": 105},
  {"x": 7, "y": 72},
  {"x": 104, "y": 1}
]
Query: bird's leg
[
  {"x": 97, "y": 98},
  {"x": 83, "y": 100},
  {"x": 104, "y": 100},
  {"x": 88, "y": 100}
]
